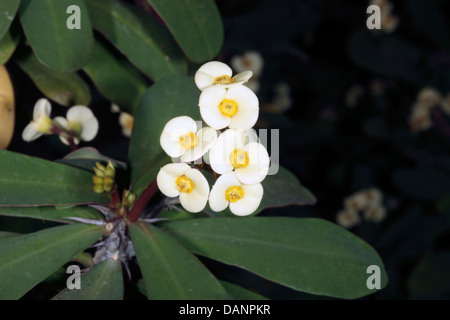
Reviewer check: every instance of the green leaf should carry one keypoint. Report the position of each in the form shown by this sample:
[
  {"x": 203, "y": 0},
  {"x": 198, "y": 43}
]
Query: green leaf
[
  {"x": 8, "y": 44},
  {"x": 86, "y": 158},
  {"x": 7, "y": 234},
  {"x": 55, "y": 45},
  {"x": 309, "y": 255},
  {"x": 386, "y": 54},
  {"x": 115, "y": 78},
  {"x": 8, "y": 10},
  {"x": 28, "y": 181},
  {"x": 240, "y": 293},
  {"x": 102, "y": 282},
  {"x": 425, "y": 183},
  {"x": 65, "y": 88},
  {"x": 169, "y": 270},
  {"x": 283, "y": 189},
  {"x": 28, "y": 259},
  {"x": 169, "y": 98},
  {"x": 195, "y": 24},
  {"x": 52, "y": 213},
  {"x": 431, "y": 278},
  {"x": 146, "y": 43}
]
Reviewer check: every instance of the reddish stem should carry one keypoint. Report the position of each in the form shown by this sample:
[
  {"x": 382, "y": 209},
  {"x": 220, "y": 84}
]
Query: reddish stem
[{"x": 141, "y": 203}]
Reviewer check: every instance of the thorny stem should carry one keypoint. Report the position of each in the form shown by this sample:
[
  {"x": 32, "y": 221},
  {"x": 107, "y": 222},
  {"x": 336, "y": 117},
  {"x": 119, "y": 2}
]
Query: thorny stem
[
  {"x": 66, "y": 135},
  {"x": 141, "y": 203}
]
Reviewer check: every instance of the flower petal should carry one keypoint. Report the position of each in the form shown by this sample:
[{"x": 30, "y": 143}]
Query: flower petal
[
  {"x": 258, "y": 166},
  {"x": 248, "y": 107},
  {"x": 219, "y": 155},
  {"x": 42, "y": 108},
  {"x": 217, "y": 200},
  {"x": 250, "y": 202},
  {"x": 90, "y": 129},
  {"x": 167, "y": 176},
  {"x": 209, "y": 102},
  {"x": 207, "y": 73},
  {"x": 80, "y": 114},
  {"x": 30, "y": 132},
  {"x": 60, "y": 122},
  {"x": 196, "y": 200},
  {"x": 206, "y": 138},
  {"x": 173, "y": 130}
]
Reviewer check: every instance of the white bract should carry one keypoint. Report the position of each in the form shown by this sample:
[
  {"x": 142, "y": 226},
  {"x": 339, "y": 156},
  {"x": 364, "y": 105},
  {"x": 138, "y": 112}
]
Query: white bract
[
  {"x": 181, "y": 138},
  {"x": 236, "y": 108},
  {"x": 126, "y": 121},
  {"x": 179, "y": 179},
  {"x": 80, "y": 123},
  {"x": 215, "y": 73},
  {"x": 41, "y": 123},
  {"x": 242, "y": 199},
  {"x": 348, "y": 218},
  {"x": 250, "y": 60},
  {"x": 237, "y": 150}
]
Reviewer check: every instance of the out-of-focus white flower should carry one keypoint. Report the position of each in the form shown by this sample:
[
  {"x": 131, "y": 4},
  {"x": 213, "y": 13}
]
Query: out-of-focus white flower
[
  {"x": 250, "y": 160},
  {"x": 41, "y": 123},
  {"x": 126, "y": 121},
  {"x": 215, "y": 73},
  {"x": 348, "y": 218},
  {"x": 236, "y": 107},
  {"x": 374, "y": 213},
  {"x": 115, "y": 108},
  {"x": 179, "y": 179},
  {"x": 389, "y": 23},
  {"x": 355, "y": 202},
  {"x": 242, "y": 199},
  {"x": 80, "y": 123},
  {"x": 429, "y": 97},
  {"x": 373, "y": 196},
  {"x": 182, "y": 138},
  {"x": 250, "y": 60},
  {"x": 384, "y": 5},
  {"x": 420, "y": 117}
]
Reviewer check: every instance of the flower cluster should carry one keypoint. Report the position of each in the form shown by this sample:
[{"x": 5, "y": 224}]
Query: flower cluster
[
  {"x": 367, "y": 201},
  {"x": 228, "y": 144},
  {"x": 421, "y": 110},
  {"x": 79, "y": 124},
  {"x": 389, "y": 21},
  {"x": 104, "y": 177}
]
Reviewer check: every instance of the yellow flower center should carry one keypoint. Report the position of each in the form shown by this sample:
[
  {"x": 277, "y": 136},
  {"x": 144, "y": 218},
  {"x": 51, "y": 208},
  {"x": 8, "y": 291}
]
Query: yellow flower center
[
  {"x": 189, "y": 140},
  {"x": 239, "y": 158},
  {"x": 44, "y": 124},
  {"x": 228, "y": 107},
  {"x": 74, "y": 127},
  {"x": 234, "y": 194},
  {"x": 223, "y": 80},
  {"x": 184, "y": 184}
]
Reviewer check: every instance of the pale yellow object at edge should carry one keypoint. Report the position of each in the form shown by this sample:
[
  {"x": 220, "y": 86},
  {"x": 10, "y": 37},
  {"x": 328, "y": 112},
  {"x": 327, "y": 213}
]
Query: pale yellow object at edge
[{"x": 6, "y": 108}]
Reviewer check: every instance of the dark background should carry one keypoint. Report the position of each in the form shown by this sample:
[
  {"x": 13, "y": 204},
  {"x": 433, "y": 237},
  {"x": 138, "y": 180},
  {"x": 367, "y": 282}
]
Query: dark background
[{"x": 322, "y": 49}]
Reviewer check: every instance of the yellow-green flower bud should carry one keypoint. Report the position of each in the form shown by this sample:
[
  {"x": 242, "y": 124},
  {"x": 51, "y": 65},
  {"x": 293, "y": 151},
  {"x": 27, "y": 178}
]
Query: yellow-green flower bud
[
  {"x": 110, "y": 170},
  {"x": 108, "y": 180},
  {"x": 108, "y": 187},
  {"x": 98, "y": 188},
  {"x": 97, "y": 180},
  {"x": 131, "y": 197},
  {"x": 100, "y": 166},
  {"x": 99, "y": 173}
]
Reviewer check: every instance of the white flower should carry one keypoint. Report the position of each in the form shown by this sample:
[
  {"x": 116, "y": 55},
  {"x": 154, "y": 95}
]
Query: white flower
[
  {"x": 41, "y": 123},
  {"x": 115, "y": 108},
  {"x": 445, "y": 104},
  {"x": 237, "y": 107},
  {"x": 219, "y": 74},
  {"x": 248, "y": 158},
  {"x": 126, "y": 121},
  {"x": 348, "y": 218},
  {"x": 356, "y": 201},
  {"x": 250, "y": 60},
  {"x": 429, "y": 97},
  {"x": 181, "y": 138},
  {"x": 80, "y": 123},
  {"x": 420, "y": 118},
  {"x": 373, "y": 196},
  {"x": 243, "y": 199},
  {"x": 374, "y": 213},
  {"x": 179, "y": 179}
]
